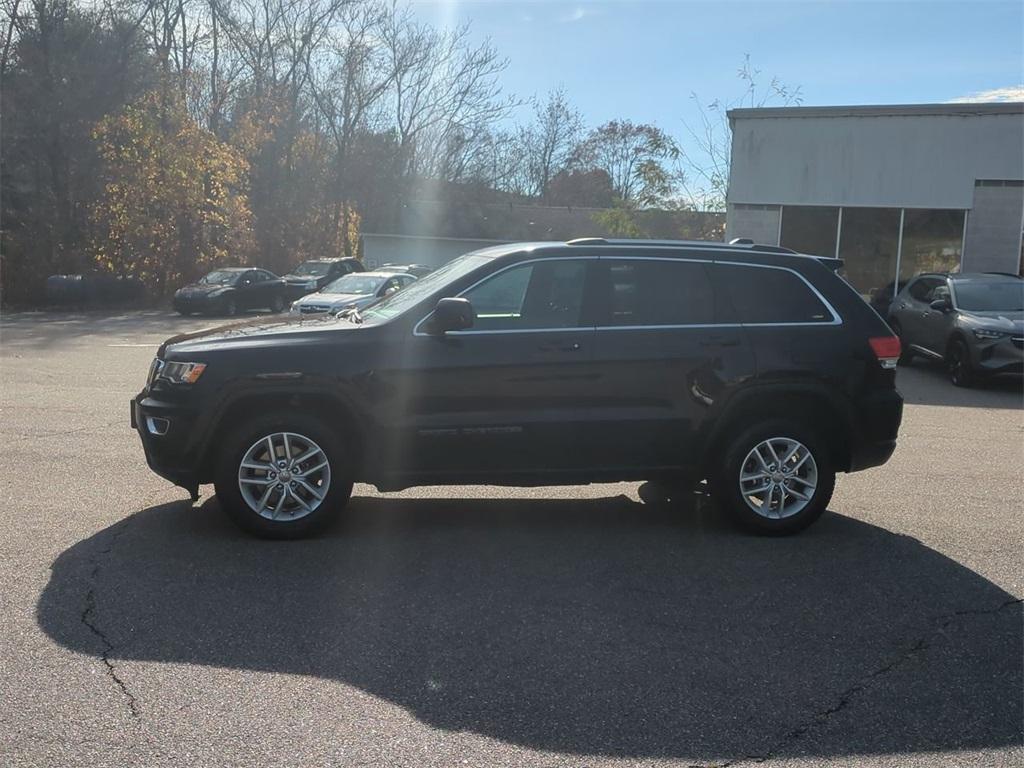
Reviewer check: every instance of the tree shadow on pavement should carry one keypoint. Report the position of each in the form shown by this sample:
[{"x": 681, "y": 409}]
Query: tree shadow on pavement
[{"x": 588, "y": 627}]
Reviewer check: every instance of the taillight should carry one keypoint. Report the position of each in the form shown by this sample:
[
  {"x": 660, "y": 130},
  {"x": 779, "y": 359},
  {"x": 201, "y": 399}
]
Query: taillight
[{"x": 886, "y": 349}]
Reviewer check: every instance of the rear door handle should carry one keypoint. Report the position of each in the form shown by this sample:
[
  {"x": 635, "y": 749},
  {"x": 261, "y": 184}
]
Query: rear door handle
[{"x": 555, "y": 346}]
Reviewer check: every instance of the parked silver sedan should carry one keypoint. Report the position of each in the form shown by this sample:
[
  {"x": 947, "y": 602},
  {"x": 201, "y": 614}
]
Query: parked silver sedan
[{"x": 355, "y": 291}]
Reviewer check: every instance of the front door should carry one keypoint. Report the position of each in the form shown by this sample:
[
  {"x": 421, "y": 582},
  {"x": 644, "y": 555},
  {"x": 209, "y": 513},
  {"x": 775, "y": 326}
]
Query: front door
[{"x": 511, "y": 394}]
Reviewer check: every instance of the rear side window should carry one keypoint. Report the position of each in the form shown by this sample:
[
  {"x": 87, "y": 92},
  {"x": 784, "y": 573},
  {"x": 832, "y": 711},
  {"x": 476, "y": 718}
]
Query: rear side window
[
  {"x": 769, "y": 295},
  {"x": 657, "y": 292}
]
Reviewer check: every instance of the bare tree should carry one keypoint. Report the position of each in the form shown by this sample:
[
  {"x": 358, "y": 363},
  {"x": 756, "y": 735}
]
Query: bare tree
[
  {"x": 703, "y": 172},
  {"x": 552, "y": 140}
]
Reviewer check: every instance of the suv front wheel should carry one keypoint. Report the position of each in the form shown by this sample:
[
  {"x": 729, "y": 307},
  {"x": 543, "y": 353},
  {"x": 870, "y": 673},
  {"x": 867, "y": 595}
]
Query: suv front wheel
[
  {"x": 283, "y": 476},
  {"x": 777, "y": 478}
]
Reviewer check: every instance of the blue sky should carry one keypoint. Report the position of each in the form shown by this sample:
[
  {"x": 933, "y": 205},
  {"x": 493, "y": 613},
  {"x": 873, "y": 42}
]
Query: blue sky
[{"x": 641, "y": 60}]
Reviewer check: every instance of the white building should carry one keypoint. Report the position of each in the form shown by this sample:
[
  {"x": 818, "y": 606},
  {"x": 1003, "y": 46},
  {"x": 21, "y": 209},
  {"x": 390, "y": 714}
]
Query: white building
[{"x": 893, "y": 190}]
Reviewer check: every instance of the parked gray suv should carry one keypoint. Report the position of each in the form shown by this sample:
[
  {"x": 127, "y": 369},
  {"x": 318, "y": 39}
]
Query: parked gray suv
[{"x": 974, "y": 322}]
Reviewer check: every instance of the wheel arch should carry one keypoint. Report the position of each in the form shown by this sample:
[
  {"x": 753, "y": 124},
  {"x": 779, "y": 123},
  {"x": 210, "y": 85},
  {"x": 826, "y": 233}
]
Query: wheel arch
[
  {"x": 812, "y": 406},
  {"x": 330, "y": 406}
]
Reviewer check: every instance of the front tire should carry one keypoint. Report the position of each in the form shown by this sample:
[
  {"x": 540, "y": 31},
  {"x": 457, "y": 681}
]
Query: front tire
[
  {"x": 777, "y": 477},
  {"x": 230, "y": 308},
  {"x": 283, "y": 476},
  {"x": 958, "y": 361}
]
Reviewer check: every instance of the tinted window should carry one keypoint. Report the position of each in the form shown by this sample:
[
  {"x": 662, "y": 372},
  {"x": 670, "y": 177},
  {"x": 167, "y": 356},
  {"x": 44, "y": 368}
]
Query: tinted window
[
  {"x": 642, "y": 292},
  {"x": 531, "y": 296},
  {"x": 766, "y": 295},
  {"x": 922, "y": 289}
]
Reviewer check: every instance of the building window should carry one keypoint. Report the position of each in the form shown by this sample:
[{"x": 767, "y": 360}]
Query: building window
[
  {"x": 810, "y": 229},
  {"x": 932, "y": 240},
  {"x": 868, "y": 242}
]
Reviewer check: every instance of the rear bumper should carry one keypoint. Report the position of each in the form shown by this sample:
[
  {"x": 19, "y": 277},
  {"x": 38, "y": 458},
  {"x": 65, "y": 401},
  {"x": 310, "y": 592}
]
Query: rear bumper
[
  {"x": 874, "y": 431},
  {"x": 165, "y": 430}
]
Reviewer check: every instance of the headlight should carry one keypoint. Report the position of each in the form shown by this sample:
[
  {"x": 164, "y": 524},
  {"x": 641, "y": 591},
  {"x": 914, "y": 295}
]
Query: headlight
[
  {"x": 988, "y": 335},
  {"x": 181, "y": 373}
]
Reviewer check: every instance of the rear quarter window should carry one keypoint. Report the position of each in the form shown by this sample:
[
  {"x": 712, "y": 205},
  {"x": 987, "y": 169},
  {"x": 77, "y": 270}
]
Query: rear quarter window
[{"x": 771, "y": 295}]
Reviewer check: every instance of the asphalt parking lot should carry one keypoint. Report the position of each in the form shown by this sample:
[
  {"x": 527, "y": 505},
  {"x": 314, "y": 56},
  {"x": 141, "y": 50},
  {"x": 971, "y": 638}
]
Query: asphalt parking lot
[{"x": 485, "y": 626}]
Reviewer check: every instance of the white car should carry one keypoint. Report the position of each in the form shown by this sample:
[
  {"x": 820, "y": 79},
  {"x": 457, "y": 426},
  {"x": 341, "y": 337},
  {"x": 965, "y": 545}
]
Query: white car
[{"x": 355, "y": 291}]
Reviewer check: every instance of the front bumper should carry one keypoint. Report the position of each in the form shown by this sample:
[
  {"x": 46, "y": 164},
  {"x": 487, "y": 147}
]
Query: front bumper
[
  {"x": 195, "y": 305},
  {"x": 166, "y": 430},
  {"x": 1004, "y": 355}
]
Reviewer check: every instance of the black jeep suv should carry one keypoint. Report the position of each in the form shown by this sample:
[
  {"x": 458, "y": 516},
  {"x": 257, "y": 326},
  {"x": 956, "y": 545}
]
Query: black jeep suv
[{"x": 750, "y": 366}]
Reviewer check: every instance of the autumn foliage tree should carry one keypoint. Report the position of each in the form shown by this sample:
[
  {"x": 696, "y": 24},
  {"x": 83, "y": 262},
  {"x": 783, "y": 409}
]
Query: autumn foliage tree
[{"x": 173, "y": 203}]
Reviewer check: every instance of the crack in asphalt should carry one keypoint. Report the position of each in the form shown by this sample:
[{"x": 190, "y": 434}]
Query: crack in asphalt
[
  {"x": 88, "y": 618},
  {"x": 847, "y": 696}
]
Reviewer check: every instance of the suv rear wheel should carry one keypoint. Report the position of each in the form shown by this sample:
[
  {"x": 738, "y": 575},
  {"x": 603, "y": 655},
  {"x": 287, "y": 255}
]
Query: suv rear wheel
[
  {"x": 777, "y": 477},
  {"x": 283, "y": 476}
]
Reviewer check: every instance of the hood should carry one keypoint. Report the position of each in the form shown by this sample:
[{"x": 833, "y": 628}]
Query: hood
[
  {"x": 1001, "y": 321},
  {"x": 334, "y": 300},
  {"x": 201, "y": 289},
  {"x": 259, "y": 330},
  {"x": 293, "y": 278}
]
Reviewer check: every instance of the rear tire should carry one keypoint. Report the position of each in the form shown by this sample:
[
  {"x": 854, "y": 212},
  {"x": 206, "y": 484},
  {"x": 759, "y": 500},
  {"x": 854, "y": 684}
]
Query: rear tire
[
  {"x": 958, "y": 362},
  {"x": 800, "y": 488},
  {"x": 277, "y": 305},
  {"x": 292, "y": 518}
]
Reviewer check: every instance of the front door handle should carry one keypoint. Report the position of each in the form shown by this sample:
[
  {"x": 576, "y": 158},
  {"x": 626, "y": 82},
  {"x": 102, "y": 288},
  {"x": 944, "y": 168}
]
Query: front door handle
[{"x": 560, "y": 347}]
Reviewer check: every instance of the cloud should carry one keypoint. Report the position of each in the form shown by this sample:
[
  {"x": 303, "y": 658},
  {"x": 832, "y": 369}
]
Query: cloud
[
  {"x": 1009, "y": 93},
  {"x": 579, "y": 13}
]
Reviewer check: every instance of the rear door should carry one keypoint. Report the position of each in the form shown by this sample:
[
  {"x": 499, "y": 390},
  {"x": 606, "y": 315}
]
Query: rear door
[
  {"x": 665, "y": 352},
  {"x": 792, "y": 329},
  {"x": 913, "y": 312},
  {"x": 511, "y": 394}
]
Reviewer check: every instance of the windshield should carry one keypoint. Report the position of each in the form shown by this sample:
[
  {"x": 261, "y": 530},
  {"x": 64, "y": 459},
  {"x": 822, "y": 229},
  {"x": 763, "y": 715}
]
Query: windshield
[
  {"x": 220, "y": 277},
  {"x": 362, "y": 285},
  {"x": 397, "y": 303},
  {"x": 317, "y": 268},
  {"x": 990, "y": 295}
]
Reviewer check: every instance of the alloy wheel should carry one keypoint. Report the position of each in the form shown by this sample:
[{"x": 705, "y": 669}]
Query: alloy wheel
[
  {"x": 284, "y": 476},
  {"x": 778, "y": 478}
]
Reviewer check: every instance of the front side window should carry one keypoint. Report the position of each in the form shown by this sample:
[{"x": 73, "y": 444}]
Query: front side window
[
  {"x": 923, "y": 288},
  {"x": 545, "y": 294},
  {"x": 657, "y": 292},
  {"x": 769, "y": 295}
]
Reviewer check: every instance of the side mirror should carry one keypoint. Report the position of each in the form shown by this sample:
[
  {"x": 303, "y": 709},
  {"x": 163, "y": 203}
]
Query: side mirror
[
  {"x": 450, "y": 315},
  {"x": 942, "y": 305}
]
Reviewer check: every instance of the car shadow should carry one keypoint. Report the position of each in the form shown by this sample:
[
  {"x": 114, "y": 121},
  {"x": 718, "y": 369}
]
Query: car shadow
[
  {"x": 588, "y": 626},
  {"x": 923, "y": 382}
]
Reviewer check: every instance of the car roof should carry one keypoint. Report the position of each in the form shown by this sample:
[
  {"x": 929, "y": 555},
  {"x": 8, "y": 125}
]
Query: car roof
[
  {"x": 735, "y": 251},
  {"x": 232, "y": 269},
  {"x": 983, "y": 276}
]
